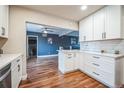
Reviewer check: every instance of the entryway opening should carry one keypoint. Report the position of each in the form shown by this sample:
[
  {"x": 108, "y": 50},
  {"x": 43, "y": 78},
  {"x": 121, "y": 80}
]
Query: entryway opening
[
  {"x": 43, "y": 43},
  {"x": 32, "y": 46}
]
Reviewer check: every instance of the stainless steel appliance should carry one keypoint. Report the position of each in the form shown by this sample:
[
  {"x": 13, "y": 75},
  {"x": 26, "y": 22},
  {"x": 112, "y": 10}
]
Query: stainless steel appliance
[{"x": 5, "y": 77}]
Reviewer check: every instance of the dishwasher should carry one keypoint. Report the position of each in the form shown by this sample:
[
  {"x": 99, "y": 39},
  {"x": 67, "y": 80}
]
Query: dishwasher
[{"x": 5, "y": 77}]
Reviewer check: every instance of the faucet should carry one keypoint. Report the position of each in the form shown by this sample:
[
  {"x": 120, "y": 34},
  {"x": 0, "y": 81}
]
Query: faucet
[{"x": 70, "y": 47}]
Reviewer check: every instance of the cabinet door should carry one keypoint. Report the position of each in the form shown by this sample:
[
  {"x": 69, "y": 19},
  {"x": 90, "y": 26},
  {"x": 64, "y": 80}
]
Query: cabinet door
[
  {"x": 113, "y": 21},
  {"x": 76, "y": 60},
  {"x": 81, "y": 64},
  {"x": 16, "y": 72},
  {"x": 4, "y": 12},
  {"x": 86, "y": 29},
  {"x": 15, "y": 77},
  {"x": 69, "y": 62},
  {"x": 99, "y": 22},
  {"x": 20, "y": 70},
  {"x": 1, "y": 19}
]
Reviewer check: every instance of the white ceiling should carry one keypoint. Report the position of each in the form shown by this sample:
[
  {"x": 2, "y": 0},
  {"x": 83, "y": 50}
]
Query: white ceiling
[
  {"x": 50, "y": 29},
  {"x": 71, "y": 12}
]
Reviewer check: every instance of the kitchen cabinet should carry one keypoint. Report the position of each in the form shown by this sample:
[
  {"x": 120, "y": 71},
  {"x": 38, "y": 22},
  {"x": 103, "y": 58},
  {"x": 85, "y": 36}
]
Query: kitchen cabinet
[
  {"x": 86, "y": 29},
  {"x": 107, "y": 70},
  {"x": 107, "y": 24},
  {"x": 98, "y": 24},
  {"x": 16, "y": 72},
  {"x": 80, "y": 61},
  {"x": 4, "y": 15},
  {"x": 113, "y": 22},
  {"x": 104, "y": 67},
  {"x": 68, "y": 61}
]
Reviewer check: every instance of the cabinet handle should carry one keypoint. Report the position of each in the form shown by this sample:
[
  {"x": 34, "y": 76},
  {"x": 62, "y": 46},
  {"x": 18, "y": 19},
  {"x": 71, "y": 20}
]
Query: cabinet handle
[
  {"x": 3, "y": 30},
  {"x": 104, "y": 34},
  {"x": 84, "y": 38},
  {"x": 18, "y": 68},
  {"x": 96, "y": 73},
  {"x": 69, "y": 57},
  {"x": 96, "y": 64},
  {"x": 96, "y": 57},
  {"x": 18, "y": 60}
]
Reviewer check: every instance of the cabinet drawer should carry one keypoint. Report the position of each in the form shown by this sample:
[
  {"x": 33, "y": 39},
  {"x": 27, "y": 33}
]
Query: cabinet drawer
[
  {"x": 93, "y": 57},
  {"x": 105, "y": 66},
  {"x": 16, "y": 62},
  {"x": 103, "y": 63},
  {"x": 103, "y": 76}
]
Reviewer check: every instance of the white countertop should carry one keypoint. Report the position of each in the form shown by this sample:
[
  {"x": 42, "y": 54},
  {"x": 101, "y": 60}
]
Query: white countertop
[
  {"x": 97, "y": 53},
  {"x": 5, "y": 59},
  {"x": 68, "y": 50},
  {"x": 105, "y": 54}
]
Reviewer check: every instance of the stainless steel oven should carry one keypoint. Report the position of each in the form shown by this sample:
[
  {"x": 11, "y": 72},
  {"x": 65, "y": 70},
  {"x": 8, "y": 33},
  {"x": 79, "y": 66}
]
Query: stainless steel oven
[{"x": 5, "y": 77}]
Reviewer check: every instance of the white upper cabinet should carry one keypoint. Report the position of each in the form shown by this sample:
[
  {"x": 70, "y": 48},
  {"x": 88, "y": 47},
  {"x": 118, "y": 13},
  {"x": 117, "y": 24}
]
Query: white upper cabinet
[
  {"x": 4, "y": 14},
  {"x": 86, "y": 29},
  {"x": 99, "y": 25},
  {"x": 107, "y": 24},
  {"x": 113, "y": 22}
]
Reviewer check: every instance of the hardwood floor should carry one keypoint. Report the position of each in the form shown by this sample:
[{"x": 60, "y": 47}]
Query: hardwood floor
[{"x": 43, "y": 73}]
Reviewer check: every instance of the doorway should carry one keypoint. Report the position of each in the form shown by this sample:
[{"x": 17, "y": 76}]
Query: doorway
[{"x": 32, "y": 46}]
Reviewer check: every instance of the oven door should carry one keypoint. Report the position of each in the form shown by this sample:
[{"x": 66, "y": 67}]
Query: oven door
[{"x": 5, "y": 77}]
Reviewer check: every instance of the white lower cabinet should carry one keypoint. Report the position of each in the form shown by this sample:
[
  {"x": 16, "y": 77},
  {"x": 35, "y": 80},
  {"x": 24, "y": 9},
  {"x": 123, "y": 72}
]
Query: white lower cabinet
[
  {"x": 67, "y": 61},
  {"x": 81, "y": 61},
  {"x": 16, "y": 72},
  {"x": 107, "y": 70}
]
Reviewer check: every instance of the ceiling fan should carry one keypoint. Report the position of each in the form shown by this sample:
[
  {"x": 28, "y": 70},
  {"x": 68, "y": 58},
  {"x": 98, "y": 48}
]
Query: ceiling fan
[{"x": 46, "y": 30}]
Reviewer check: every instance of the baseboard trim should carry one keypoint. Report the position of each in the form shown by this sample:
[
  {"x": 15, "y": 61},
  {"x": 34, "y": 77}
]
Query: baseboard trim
[
  {"x": 49, "y": 55},
  {"x": 24, "y": 77}
]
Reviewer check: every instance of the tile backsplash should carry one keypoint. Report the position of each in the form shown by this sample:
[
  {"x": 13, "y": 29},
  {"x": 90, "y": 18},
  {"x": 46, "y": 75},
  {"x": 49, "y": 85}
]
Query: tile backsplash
[{"x": 108, "y": 45}]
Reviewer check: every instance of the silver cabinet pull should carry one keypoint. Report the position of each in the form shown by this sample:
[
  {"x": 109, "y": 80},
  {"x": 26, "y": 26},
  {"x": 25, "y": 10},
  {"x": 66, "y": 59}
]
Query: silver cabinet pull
[
  {"x": 96, "y": 57},
  {"x": 3, "y": 30},
  {"x": 69, "y": 57},
  {"x": 96, "y": 64},
  {"x": 18, "y": 60},
  {"x": 84, "y": 38},
  {"x": 96, "y": 73},
  {"x": 104, "y": 34},
  {"x": 18, "y": 68}
]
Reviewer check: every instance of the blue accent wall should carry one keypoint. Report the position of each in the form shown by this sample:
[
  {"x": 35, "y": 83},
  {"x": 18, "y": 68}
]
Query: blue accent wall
[{"x": 44, "y": 48}]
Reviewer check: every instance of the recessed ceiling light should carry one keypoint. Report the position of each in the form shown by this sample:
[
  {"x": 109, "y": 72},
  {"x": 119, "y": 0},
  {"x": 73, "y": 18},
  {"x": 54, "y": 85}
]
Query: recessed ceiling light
[{"x": 84, "y": 7}]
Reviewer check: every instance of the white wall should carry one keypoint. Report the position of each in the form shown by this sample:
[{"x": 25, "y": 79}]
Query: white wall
[{"x": 17, "y": 32}]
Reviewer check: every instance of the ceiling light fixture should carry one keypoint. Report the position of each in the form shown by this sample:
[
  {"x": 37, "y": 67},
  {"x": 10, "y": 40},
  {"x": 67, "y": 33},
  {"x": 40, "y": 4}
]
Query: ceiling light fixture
[
  {"x": 45, "y": 32},
  {"x": 84, "y": 7}
]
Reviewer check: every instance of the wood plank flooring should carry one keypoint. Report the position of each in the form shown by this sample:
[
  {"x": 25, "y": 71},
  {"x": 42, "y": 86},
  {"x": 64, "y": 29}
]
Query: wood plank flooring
[{"x": 44, "y": 73}]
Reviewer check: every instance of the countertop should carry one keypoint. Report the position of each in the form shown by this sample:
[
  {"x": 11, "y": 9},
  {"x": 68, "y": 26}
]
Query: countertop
[
  {"x": 5, "y": 59},
  {"x": 96, "y": 53},
  {"x": 68, "y": 50}
]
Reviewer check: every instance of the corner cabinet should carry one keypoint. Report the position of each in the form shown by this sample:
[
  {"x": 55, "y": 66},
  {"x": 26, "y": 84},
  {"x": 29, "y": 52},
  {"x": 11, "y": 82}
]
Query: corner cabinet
[
  {"x": 106, "y": 24},
  {"x": 4, "y": 17}
]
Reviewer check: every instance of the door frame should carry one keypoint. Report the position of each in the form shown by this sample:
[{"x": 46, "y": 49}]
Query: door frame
[{"x": 28, "y": 45}]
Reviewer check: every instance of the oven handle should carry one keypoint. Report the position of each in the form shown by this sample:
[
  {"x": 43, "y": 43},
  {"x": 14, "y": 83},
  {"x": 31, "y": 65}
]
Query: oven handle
[{"x": 5, "y": 75}]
